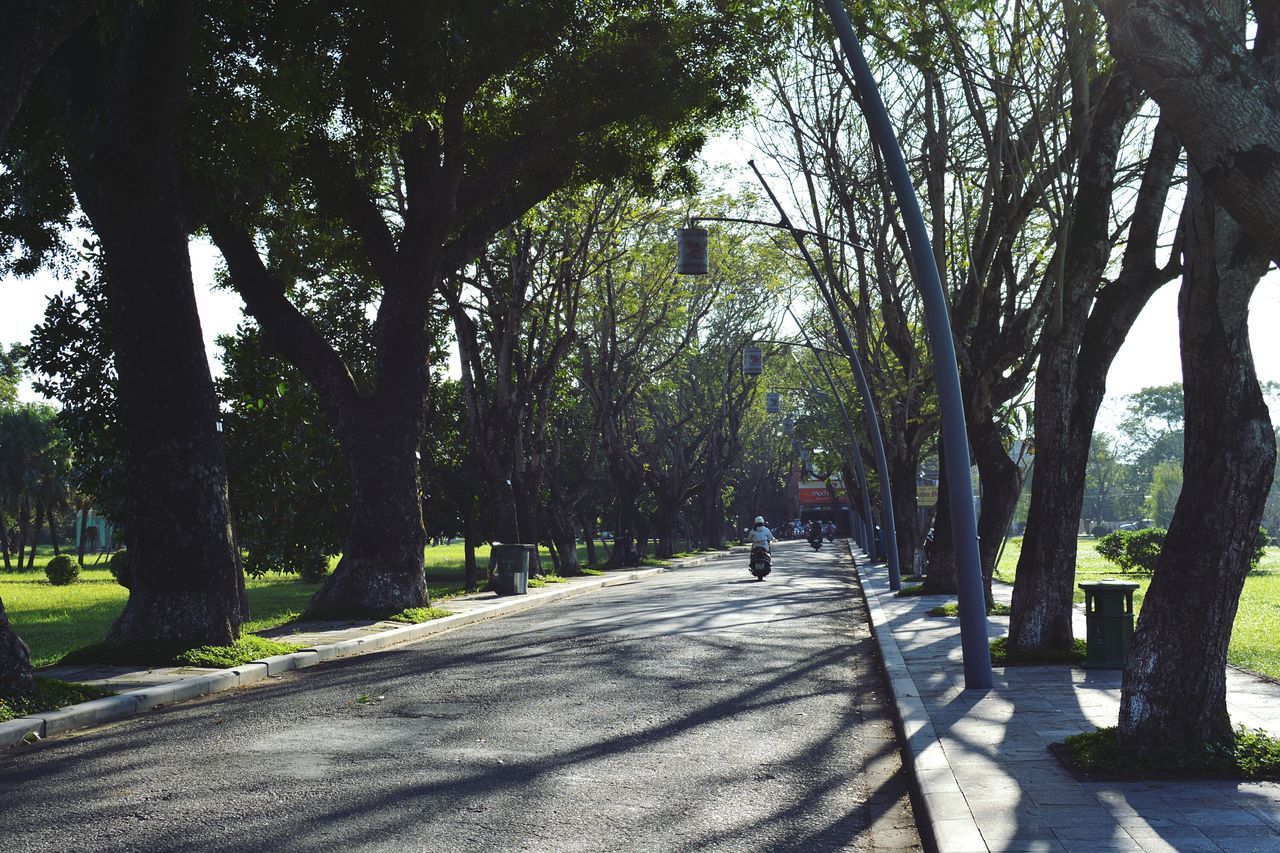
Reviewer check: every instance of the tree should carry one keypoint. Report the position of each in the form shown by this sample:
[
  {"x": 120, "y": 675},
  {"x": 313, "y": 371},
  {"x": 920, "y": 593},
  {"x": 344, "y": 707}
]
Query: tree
[
  {"x": 1194, "y": 61},
  {"x": 1173, "y": 693},
  {"x": 33, "y": 30},
  {"x": 123, "y": 91},
  {"x": 514, "y": 319},
  {"x": 1101, "y": 476},
  {"x": 1090, "y": 317},
  {"x": 430, "y": 129}
]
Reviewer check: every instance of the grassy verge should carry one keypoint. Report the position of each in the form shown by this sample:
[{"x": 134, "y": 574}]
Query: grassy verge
[
  {"x": 1255, "y": 638},
  {"x": 243, "y": 650},
  {"x": 1002, "y": 655},
  {"x": 49, "y": 696},
  {"x": 1249, "y": 754},
  {"x": 952, "y": 608}
]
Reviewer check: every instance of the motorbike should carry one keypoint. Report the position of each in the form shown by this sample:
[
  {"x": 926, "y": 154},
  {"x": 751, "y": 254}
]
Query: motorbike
[
  {"x": 815, "y": 541},
  {"x": 761, "y": 562}
]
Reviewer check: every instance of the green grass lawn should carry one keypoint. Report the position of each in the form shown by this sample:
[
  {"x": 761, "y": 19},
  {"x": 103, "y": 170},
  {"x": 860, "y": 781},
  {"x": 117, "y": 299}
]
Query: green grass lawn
[
  {"x": 54, "y": 620},
  {"x": 1255, "y": 639}
]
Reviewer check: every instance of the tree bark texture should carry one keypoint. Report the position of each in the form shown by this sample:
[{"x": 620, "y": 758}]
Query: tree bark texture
[
  {"x": 1195, "y": 64},
  {"x": 940, "y": 578},
  {"x": 1086, "y": 328},
  {"x": 381, "y": 569},
  {"x": 15, "y": 660},
  {"x": 126, "y": 168},
  {"x": 1001, "y": 484},
  {"x": 32, "y": 31},
  {"x": 1174, "y": 690}
]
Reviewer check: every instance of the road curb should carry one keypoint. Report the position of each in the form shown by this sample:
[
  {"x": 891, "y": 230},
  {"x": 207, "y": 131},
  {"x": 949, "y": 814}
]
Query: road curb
[
  {"x": 27, "y": 730},
  {"x": 949, "y": 825}
]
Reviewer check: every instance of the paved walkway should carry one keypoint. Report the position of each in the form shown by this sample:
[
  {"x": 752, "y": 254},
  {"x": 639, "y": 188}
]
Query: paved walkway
[{"x": 987, "y": 779}]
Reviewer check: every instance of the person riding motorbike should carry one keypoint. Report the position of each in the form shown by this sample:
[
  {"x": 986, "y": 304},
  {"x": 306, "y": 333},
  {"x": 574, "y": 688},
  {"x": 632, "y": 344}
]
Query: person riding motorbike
[
  {"x": 759, "y": 536},
  {"x": 815, "y": 532}
]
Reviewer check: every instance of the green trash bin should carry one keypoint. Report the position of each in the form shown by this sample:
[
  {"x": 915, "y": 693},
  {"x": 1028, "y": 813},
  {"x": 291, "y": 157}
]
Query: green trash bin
[
  {"x": 1108, "y": 616},
  {"x": 510, "y": 566}
]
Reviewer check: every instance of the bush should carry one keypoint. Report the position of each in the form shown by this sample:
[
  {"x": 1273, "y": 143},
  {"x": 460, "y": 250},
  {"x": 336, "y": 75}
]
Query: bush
[
  {"x": 62, "y": 570},
  {"x": 1098, "y": 530},
  {"x": 1133, "y": 550},
  {"x": 119, "y": 566},
  {"x": 1112, "y": 546},
  {"x": 1259, "y": 548},
  {"x": 1142, "y": 549},
  {"x": 1139, "y": 550}
]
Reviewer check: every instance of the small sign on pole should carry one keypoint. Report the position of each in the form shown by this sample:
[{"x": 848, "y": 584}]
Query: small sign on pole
[
  {"x": 773, "y": 403},
  {"x": 752, "y": 361},
  {"x": 693, "y": 252}
]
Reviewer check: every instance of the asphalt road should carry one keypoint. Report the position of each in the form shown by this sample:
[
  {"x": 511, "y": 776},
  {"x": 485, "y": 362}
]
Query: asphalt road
[{"x": 697, "y": 711}]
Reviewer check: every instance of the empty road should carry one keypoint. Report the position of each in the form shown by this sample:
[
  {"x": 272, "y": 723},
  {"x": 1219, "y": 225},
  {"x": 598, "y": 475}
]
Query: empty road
[{"x": 696, "y": 711}]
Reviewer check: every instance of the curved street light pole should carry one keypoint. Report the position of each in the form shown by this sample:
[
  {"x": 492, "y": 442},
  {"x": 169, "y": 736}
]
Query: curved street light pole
[
  {"x": 864, "y": 388},
  {"x": 955, "y": 439}
]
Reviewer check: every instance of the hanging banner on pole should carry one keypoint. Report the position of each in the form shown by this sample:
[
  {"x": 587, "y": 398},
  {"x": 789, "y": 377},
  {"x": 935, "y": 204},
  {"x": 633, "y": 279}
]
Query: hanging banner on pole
[
  {"x": 788, "y": 426},
  {"x": 773, "y": 403},
  {"x": 752, "y": 361}
]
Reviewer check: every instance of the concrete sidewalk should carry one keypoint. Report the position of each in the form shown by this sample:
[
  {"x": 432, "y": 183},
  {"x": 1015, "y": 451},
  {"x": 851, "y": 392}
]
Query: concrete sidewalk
[
  {"x": 140, "y": 689},
  {"x": 986, "y": 778}
]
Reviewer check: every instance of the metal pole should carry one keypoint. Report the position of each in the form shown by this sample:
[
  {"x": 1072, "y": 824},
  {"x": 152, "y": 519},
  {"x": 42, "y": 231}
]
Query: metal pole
[
  {"x": 864, "y": 389},
  {"x": 955, "y": 438}
]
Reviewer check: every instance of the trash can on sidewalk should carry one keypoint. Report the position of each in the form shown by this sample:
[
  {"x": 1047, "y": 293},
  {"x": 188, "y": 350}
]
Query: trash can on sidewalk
[
  {"x": 1108, "y": 616},
  {"x": 510, "y": 566}
]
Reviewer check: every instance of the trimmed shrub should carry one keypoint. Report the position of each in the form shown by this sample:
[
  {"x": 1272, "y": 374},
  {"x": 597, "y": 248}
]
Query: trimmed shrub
[
  {"x": 1133, "y": 550},
  {"x": 1112, "y": 546},
  {"x": 62, "y": 570},
  {"x": 1098, "y": 531},
  {"x": 119, "y": 567},
  {"x": 1142, "y": 549}
]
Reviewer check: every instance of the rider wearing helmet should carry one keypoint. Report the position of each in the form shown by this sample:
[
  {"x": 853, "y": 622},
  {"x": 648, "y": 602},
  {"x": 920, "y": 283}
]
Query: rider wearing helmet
[{"x": 759, "y": 535}]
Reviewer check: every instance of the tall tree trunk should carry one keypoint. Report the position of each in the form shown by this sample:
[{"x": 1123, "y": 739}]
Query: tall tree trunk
[
  {"x": 711, "y": 502},
  {"x": 1174, "y": 688},
  {"x": 1001, "y": 484},
  {"x": 126, "y": 166},
  {"x": 24, "y": 524},
  {"x": 470, "y": 573},
  {"x": 940, "y": 577},
  {"x": 1081, "y": 340},
  {"x": 4, "y": 543},
  {"x": 15, "y": 660},
  {"x": 84, "y": 526},
  {"x": 589, "y": 534},
  {"x": 902, "y": 483},
  {"x": 381, "y": 569},
  {"x": 51, "y": 518},
  {"x": 36, "y": 523}
]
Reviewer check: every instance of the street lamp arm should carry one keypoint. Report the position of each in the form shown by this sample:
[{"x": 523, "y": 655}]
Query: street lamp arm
[{"x": 784, "y": 226}]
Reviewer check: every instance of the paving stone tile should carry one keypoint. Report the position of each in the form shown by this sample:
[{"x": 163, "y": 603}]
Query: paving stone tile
[{"x": 1251, "y": 831}]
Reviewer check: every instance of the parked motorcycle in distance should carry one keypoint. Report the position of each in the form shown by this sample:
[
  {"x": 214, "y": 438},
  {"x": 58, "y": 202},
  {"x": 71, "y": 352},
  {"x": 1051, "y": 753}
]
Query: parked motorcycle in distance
[{"x": 761, "y": 562}]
